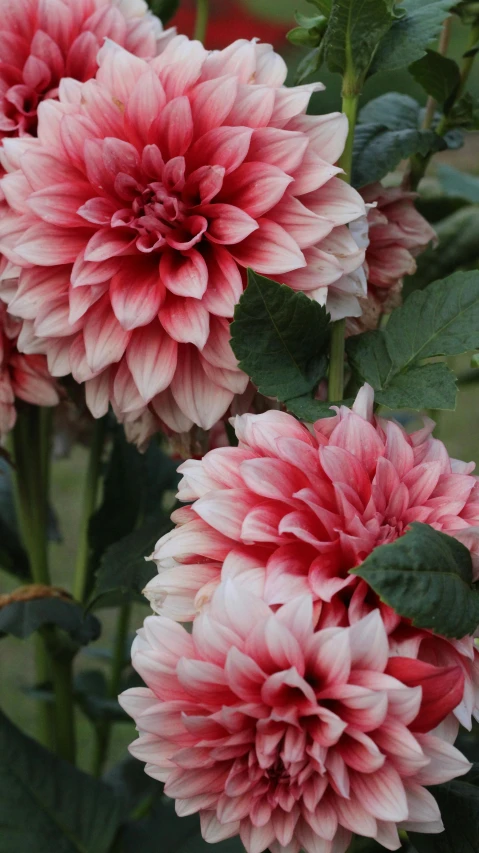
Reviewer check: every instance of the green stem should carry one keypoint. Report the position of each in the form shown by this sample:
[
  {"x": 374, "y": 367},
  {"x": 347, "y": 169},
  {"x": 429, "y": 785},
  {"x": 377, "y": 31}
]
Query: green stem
[
  {"x": 90, "y": 496},
  {"x": 336, "y": 360},
  {"x": 31, "y": 443},
  {"x": 62, "y": 678},
  {"x": 201, "y": 24},
  {"x": 103, "y": 728}
]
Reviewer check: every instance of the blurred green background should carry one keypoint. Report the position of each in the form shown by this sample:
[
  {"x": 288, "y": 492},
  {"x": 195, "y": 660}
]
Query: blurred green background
[{"x": 270, "y": 19}]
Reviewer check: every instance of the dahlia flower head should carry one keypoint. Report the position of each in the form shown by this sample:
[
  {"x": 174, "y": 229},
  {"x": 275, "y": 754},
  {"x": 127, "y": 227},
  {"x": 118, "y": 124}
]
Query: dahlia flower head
[
  {"x": 397, "y": 233},
  {"x": 25, "y": 377},
  {"x": 146, "y": 195},
  {"x": 292, "y": 736},
  {"x": 290, "y": 511},
  {"x": 43, "y": 41}
]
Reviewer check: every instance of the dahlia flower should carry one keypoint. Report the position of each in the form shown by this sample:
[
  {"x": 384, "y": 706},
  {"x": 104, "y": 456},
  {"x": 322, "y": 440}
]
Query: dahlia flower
[
  {"x": 135, "y": 213},
  {"x": 397, "y": 233},
  {"x": 22, "y": 376},
  {"x": 290, "y": 736},
  {"x": 291, "y": 511},
  {"x": 45, "y": 40}
]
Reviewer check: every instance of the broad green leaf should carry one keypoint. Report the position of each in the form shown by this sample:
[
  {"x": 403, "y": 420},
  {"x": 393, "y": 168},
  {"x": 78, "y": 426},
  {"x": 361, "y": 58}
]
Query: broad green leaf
[
  {"x": 177, "y": 834},
  {"x": 443, "y": 319},
  {"x": 438, "y": 75},
  {"x": 48, "y": 805},
  {"x": 22, "y": 618},
  {"x": 409, "y": 36},
  {"x": 354, "y": 30},
  {"x": 130, "y": 783},
  {"x": 324, "y": 6},
  {"x": 458, "y": 246},
  {"x": 428, "y": 386},
  {"x": 164, "y": 9},
  {"x": 459, "y": 805},
  {"x": 425, "y": 576},
  {"x": 124, "y": 567},
  {"x": 387, "y": 132},
  {"x": 458, "y": 184},
  {"x": 280, "y": 338}
]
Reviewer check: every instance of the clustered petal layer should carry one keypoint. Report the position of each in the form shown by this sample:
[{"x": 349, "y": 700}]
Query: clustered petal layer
[
  {"x": 25, "y": 377},
  {"x": 397, "y": 233},
  {"x": 148, "y": 192},
  {"x": 292, "y": 737},
  {"x": 42, "y": 41},
  {"x": 290, "y": 512}
]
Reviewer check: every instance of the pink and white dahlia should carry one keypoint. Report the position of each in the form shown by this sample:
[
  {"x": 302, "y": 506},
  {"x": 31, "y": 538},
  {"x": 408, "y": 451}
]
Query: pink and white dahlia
[
  {"x": 145, "y": 197},
  {"x": 290, "y": 736},
  {"x": 22, "y": 376},
  {"x": 290, "y": 511},
  {"x": 42, "y": 41},
  {"x": 397, "y": 233}
]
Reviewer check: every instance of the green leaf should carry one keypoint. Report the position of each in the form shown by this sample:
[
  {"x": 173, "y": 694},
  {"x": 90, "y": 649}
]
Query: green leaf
[
  {"x": 307, "y": 409},
  {"x": 458, "y": 184},
  {"x": 441, "y": 320},
  {"x": 22, "y": 618},
  {"x": 177, "y": 834},
  {"x": 468, "y": 11},
  {"x": 280, "y": 338},
  {"x": 428, "y": 386},
  {"x": 309, "y": 64},
  {"x": 458, "y": 246},
  {"x": 438, "y": 75},
  {"x": 354, "y": 30},
  {"x": 425, "y": 576},
  {"x": 303, "y": 37},
  {"x": 48, "y": 805},
  {"x": 409, "y": 36},
  {"x": 324, "y": 6},
  {"x": 387, "y": 132},
  {"x": 459, "y": 805},
  {"x": 124, "y": 567},
  {"x": 164, "y": 9},
  {"x": 130, "y": 783}
]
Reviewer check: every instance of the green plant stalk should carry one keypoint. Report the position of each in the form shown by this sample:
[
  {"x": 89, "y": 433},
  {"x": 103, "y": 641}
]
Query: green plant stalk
[
  {"x": 21, "y": 441},
  {"x": 201, "y": 24},
  {"x": 103, "y": 728},
  {"x": 90, "y": 496},
  {"x": 31, "y": 443},
  {"x": 336, "y": 360}
]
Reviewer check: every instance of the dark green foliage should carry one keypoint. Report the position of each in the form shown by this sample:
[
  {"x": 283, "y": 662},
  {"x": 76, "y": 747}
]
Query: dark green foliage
[
  {"x": 22, "y": 618},
  {"x": 426, "y": 577}
]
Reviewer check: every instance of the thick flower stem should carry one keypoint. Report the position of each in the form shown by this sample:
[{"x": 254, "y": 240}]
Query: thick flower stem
[
  {"x": 201, "y": 24},
  {"x": 90, "y": 495},
  {"x": 336, "y": 363},
  {"x": 103, "y": 728},
  {"x": 31, "y": 446}
]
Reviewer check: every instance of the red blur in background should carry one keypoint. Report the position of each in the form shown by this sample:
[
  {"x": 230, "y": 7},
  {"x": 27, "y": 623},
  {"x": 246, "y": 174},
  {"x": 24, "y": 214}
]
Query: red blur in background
[{"x": 228, "y": 20}]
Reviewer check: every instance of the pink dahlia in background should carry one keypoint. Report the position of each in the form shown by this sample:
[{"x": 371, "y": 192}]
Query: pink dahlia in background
[
  {"x": 397, "y": 233},
  {"x": 42, "y": 41},
  {"x": 145, "y": 197},
  {"x": 290, "y": 511},
  {"x": 290, "y": 736},
  {"x": 22, "y": 376}
]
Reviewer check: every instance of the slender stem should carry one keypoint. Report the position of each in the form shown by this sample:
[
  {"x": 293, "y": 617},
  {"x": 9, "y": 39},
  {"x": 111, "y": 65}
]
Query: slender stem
[
  {"x": 62, "y": 678},
  {"x": 201, "y": 24},
  {"x": 90, "y": 495},
  {"x": 103, "y": 728},
  {"x": 34, "y": 539},
  {"x": 336, "y": 361}
]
